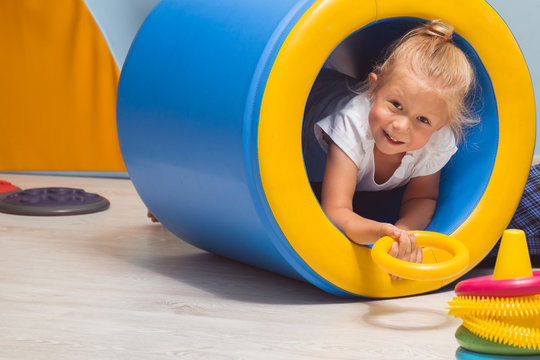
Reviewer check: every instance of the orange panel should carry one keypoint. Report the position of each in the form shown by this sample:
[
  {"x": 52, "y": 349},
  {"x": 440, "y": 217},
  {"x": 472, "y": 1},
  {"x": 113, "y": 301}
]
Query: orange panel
[{"x": 58, "y": 89}]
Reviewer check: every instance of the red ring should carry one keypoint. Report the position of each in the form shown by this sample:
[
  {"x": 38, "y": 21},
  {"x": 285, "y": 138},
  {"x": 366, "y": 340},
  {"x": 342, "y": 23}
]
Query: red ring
[
  {"x": 486, "y": 286},
  {"x": 6, "y": 187}
]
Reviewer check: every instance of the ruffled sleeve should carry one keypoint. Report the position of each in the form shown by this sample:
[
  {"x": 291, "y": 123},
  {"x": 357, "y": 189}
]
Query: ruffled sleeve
[
  {"x": 436, "y": 153},
  {"x": 348, "y": 129}
]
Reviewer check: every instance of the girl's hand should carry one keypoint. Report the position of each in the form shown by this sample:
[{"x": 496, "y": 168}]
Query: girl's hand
[
  {"x": 390, "y": 230},
  {"x": 405, "y": 246}
]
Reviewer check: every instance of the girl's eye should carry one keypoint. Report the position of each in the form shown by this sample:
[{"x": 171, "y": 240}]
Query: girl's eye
[
  {"x": 397, "y": 105},
  {"x": 423, "y": 119}
]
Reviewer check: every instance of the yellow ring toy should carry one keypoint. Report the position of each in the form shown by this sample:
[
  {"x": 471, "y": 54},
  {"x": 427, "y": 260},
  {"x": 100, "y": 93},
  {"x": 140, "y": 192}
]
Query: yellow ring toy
[{"x": 437, "y": 271}]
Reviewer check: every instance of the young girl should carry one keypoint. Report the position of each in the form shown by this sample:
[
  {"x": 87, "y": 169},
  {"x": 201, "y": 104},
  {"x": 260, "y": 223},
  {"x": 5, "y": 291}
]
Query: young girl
[{"x": 401, "y": 130}]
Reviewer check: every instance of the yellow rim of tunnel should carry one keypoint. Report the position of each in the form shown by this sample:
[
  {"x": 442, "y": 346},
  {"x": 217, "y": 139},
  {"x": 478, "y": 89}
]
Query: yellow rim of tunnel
[{"x": 312, "y": 236}]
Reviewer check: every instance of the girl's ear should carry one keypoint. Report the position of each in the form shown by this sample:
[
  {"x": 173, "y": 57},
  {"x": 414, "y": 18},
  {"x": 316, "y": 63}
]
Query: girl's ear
[{"x": 372, "y": 82}]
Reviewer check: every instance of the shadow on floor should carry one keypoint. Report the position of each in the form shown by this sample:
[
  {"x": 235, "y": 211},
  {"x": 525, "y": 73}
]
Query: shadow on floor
[
  {"x": 384, "y": 315},
  {"x": 164, "y": 253}
]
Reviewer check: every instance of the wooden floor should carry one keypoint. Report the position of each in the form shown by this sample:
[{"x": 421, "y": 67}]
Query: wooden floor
[{"x": 113, "y": 285}]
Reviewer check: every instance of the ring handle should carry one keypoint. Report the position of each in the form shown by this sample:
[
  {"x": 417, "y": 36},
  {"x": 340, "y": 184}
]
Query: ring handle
[{"x": 413, "y": 271}]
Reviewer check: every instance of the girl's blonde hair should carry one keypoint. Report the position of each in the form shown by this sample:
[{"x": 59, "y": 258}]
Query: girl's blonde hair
[{"x": 428, "y": 52}]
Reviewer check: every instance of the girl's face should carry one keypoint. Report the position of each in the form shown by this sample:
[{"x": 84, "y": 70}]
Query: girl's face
[{"x": 404, "y": 114}]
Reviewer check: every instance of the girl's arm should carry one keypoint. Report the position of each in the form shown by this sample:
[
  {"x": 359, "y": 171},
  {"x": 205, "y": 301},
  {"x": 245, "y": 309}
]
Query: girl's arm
[
  {"x": 339, "y": 184},
  {"x": 419, "y": 202}
]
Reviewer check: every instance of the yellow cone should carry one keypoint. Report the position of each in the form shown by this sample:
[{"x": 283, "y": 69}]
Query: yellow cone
[{"x": 513, "y": 260}]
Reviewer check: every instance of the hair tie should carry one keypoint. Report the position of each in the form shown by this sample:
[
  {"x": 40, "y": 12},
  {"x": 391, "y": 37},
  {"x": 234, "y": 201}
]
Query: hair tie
[{"x": 445, "y": 38}]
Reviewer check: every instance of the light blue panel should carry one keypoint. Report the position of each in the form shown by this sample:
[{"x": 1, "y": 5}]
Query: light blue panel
[
  {"x": 521, "y": 17},
  {"x": 119, "y": 20}
]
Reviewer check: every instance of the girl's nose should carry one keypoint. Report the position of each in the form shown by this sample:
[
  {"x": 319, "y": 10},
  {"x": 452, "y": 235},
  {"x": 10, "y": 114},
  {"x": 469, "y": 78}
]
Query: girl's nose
[{"x": 401, "y": 123}]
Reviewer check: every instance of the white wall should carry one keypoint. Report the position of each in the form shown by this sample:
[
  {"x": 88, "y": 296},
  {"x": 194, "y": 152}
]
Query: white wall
[{"x": 521, "y": 17}]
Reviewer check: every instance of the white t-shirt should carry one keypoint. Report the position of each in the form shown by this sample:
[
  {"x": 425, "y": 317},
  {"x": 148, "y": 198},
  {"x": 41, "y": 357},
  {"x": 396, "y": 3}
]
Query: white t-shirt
[{"x": 349, "y": 129}]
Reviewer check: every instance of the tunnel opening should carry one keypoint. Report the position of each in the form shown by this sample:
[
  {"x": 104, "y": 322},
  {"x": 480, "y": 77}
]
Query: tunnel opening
[{"x": 463, "y": 180}]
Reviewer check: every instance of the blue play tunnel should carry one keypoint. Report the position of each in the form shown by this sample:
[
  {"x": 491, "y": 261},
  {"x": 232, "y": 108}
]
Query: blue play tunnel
[{"x": 210, "y": 106}]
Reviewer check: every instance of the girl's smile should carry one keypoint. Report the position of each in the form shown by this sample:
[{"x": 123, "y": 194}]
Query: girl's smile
[{"x": 391, "y": 140}]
